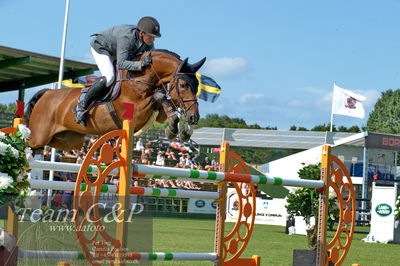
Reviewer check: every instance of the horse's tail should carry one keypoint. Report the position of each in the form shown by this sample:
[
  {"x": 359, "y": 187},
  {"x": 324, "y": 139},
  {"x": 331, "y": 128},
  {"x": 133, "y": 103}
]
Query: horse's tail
[{"x": 31, "y": 104}]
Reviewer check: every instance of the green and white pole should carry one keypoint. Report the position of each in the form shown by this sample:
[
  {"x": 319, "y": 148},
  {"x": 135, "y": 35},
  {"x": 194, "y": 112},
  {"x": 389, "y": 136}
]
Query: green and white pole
[
  {"x": 138, "y": 256},
  {"x": 145, "y": 191},
  {"x": 141, "y": 170}
]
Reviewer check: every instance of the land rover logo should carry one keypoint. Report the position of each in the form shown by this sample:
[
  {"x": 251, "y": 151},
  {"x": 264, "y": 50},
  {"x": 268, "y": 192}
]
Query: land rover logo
[
  {"x": 200, "y": 203},
  {"x": 383, "y": 209}
]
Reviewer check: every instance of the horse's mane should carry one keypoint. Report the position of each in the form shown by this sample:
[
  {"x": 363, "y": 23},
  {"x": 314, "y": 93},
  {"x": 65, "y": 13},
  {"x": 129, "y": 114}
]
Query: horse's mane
[{"x": 168, "y": 52}]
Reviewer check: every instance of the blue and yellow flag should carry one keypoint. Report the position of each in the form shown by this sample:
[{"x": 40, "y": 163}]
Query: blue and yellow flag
[{"x": 208, "y": 89}]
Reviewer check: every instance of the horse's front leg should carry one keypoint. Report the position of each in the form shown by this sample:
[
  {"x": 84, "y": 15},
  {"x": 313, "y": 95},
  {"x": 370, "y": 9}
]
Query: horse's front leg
[
  {"x": 186, "y": 132},
  {"x": 171, "y": 131}
]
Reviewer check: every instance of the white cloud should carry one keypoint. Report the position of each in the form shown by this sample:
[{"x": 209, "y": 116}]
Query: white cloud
[
  {"x": 250, "y": 98},
  {"x": 372, "y": 96},
  {"x": 226, "y": 66}
]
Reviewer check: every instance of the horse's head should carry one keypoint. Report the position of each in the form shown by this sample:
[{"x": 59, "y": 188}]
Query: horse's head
[
  {"x": 175, "y": 86},
  {"x": 178, "y": 79},
  {"x": 184, "y": 88}
]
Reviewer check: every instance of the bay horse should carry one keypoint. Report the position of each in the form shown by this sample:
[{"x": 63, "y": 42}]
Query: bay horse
[{"x": 51, "y": 120}]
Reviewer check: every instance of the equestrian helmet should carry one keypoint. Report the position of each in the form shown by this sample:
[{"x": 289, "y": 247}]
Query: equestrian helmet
[{"x": 149, "y": 25}]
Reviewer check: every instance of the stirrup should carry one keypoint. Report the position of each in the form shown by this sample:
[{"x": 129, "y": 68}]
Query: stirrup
[{"x": 80, "y": 114}]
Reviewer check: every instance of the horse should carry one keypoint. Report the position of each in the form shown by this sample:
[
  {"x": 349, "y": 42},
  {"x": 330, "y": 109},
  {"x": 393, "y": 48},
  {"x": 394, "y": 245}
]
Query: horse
[{"x": 50, "y": 118}]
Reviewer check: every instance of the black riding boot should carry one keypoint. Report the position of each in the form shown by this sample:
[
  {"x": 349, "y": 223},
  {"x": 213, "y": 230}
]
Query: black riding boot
[{"x": 95, "y": 92}]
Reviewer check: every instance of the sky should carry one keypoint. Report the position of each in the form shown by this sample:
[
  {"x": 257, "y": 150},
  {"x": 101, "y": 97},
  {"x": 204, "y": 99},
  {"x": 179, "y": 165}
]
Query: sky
[{"x": 276, "y": 61}]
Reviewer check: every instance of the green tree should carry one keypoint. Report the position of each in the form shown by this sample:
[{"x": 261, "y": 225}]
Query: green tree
[
  {"x": 323, "y": 127},
  {"x": 302, "y": 129},
  {"x": 354, "y": 129},
  {"x": 271, "y": 128},
  {"x": 214, "y": 120},
  {"x": 304, "y": 202},
  {"x": 159, "y": 126},
  {"x": 8, "y": 108},
  {"x": 385, "y": 117}
]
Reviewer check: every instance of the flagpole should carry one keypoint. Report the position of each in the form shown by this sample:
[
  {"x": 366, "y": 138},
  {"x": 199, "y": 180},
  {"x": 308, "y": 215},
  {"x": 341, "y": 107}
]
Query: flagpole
[
  {"x": 331, "y": 126},
  {"x": 60, "y": 78}
]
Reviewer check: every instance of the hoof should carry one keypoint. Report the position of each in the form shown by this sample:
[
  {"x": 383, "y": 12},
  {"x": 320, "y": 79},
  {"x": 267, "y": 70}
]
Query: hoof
[
  {"x": 186, "y": 133},
  {"x": 170, "y": 134},
  {"x": 184, "y": 136}
]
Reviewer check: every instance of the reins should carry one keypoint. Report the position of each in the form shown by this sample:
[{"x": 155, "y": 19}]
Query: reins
[{"x": 180, "y": 108}]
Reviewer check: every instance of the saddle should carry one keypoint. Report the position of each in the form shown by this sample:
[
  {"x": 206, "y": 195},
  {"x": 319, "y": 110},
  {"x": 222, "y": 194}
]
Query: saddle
[{"x": 111, "y": 95}]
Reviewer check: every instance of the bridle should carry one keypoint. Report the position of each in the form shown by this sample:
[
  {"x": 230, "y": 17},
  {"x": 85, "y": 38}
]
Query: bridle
[
  {"x": 181, "y": 100},
  {"x": 167, "y": 88}
]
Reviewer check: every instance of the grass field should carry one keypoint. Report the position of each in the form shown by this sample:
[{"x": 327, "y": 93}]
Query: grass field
[{"x": 274, "y": 246}]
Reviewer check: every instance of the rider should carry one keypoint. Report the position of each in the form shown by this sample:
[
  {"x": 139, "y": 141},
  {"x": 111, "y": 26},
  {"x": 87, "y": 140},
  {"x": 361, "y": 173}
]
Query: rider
[{"x": 118, "y": 43}]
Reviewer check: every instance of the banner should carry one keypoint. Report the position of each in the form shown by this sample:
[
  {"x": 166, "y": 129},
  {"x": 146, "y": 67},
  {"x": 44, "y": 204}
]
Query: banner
[
  {"x": 268, "y": 211},
  {"x": 382, "y": 214},
  {"x": 202, "y": 206}
]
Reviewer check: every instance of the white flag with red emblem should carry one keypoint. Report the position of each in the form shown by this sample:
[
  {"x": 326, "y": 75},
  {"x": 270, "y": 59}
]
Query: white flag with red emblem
[{"x": 346, "y": 102}]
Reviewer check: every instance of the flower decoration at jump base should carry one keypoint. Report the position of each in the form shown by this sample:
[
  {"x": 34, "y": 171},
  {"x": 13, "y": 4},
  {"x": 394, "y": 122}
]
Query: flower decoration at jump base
[{"x": 13, "y": 166}]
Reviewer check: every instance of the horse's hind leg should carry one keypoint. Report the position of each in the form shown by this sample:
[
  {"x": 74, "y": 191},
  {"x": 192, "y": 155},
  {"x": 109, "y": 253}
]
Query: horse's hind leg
[
  {"x": 39, "y": 137},
  {"x": 67, "y": 140}
]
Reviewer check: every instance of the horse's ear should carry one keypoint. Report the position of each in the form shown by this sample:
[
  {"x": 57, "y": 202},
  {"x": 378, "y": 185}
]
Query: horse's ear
[
  {"x": 198, "y": 65},
  {"x": 183, "y": 65}
]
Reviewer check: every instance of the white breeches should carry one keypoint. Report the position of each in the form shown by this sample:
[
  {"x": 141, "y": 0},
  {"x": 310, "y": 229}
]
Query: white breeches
[{"x": 105, "y": 65}]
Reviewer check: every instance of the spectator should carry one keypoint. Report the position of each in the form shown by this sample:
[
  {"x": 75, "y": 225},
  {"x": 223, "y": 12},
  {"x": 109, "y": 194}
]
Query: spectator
[
  {"x": 80, "y": 158},
  {"x": 114, "y": 180},
  {"x": 170, "y": 154},
  {"x": 69, "y": 154},
  {"x": 166, "y": 183},
  {"x": 214, "y": 165},
  {"x": 145, "y": 158},
  {"x": 139, "y": 145},
  {"x": 66, "y": 200},
  {"x": 57, "y": 199},
  {"x": 148, "y": 148},
  {"x": 188, "y": 161},
  {"x": 160, "y": 159},
  {"x": 206, "y": 164},
  {"x": 182, "y": 160},
  {"x": 191, "y": 185},
  {"x": 92, "y": 140},
  {"x": 47, "y": 153},
  {"x": 196, "y": 161},
  {"x": 180, "y": 147}
]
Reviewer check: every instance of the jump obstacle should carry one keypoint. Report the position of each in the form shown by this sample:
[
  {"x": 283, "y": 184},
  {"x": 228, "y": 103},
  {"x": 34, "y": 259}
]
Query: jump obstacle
[{"x": 228, "y": 248}]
